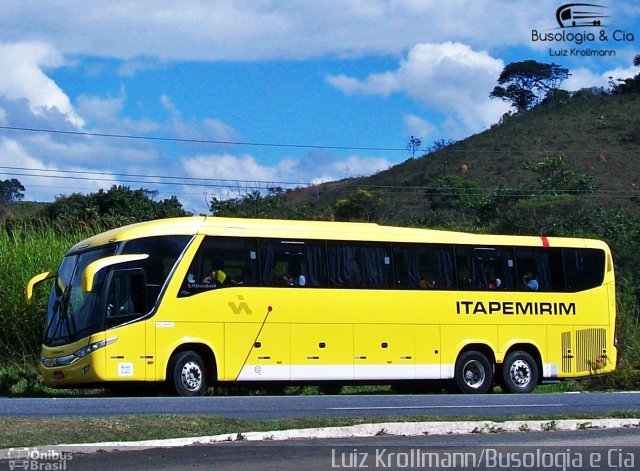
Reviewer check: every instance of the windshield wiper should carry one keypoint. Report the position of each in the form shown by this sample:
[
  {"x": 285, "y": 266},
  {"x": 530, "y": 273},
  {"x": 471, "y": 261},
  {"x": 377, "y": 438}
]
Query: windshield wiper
[{"x": 61, "y": 317}]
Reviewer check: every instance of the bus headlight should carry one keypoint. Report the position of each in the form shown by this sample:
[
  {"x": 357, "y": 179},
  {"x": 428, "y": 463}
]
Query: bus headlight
[
  {"x": 83, "y": 352},
  {"x": 75, "y": 356}
]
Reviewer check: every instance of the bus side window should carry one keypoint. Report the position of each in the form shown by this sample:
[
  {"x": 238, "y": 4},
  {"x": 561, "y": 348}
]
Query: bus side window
[
  {"x": 583, "y": 268},
  {"x": 423, "y": 267},
  {"x": 222, "y": 263},
  {"x": 163, "y": 251},
  {"x": 485, "y": 268},
  {"x": 300, "y": 264},
  {"x": 540, "y": 269},
  {"x": 127, "y": 296},
  {"x": 361, "y": 265}
]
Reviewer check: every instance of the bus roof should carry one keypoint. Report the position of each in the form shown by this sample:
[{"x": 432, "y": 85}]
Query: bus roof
[{"x": 325, "y": 230}]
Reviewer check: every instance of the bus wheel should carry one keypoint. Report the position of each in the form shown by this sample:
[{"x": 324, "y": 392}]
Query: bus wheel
[
  {"x": 519, "y": 373},
  {"x": 473, "y": 374},
  {"x": 188, "y": 374}
]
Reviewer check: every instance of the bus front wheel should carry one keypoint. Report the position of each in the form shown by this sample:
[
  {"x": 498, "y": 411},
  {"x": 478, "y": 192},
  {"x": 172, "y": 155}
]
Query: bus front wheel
[
  {"x": 519, "y": 373},
  {"x": 188, "y": 374},
  {"x": 474, "y": 374}
]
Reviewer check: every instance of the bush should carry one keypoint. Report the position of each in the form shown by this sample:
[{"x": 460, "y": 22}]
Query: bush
[
  {"x": 361, "y": 205},
  {"x": 20, "y": 378},
  {"x": 623, "y": 379}
]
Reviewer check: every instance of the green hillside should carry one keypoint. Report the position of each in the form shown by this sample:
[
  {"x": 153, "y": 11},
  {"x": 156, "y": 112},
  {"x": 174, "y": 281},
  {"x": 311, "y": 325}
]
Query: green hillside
[{"x": 598, "y": 134}]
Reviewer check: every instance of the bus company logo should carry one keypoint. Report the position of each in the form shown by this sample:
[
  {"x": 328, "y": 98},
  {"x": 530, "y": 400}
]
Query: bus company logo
[
  {"x": 240, "y": 307},
  {"x": 582, "y": 24},
  {"x": 574, "y": 15}
]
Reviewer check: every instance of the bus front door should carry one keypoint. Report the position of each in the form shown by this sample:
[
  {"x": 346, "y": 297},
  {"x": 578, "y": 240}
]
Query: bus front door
[{"x": 126, "y": 356}]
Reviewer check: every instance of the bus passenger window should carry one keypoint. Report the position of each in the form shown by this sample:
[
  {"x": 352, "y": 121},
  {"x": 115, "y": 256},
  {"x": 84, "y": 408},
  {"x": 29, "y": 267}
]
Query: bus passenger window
[
  {"x": 583, "y": 268},
  {"x": 423, "y": 267},
  {"x": 539, "y": 269},
  {"x": 222, "y": 263},
  {"x": 300, "y": 264},
  {"x": 485, "y": 268},
  {"x": 360, "y": 265}
]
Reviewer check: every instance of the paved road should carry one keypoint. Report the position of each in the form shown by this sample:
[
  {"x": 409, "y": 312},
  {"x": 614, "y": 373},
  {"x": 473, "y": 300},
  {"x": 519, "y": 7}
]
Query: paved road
[
  {"x": 275, "y": 407},
  {"x": 589, "y": 449}
]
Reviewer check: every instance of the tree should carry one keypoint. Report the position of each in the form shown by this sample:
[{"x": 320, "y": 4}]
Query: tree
[
  {"x": 117, "y": 206},
  {"x": 621, "y": 86},
  {"x": 361, "y": 205},
  {"x": 413, "y": 145},
  {"x": 454, "y": 192},
  {"x": 10, "y": 191},
  {"x": 557, "y": 177},
  {"x": 526, "y": 83},
  {"x": 254, "y": 204}
]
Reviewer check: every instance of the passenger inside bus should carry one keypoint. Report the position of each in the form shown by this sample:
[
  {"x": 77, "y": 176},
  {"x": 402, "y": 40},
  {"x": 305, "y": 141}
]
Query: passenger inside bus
[
  {"x": 530, "y": 282},
  {"x": 215, "y": 277}
]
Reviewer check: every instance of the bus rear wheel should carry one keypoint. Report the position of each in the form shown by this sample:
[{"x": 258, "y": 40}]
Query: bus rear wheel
[
  {"x": 188, "y": 376},
  {"x": 473, "y": 374},
  {"x": 519, "y": 373}
]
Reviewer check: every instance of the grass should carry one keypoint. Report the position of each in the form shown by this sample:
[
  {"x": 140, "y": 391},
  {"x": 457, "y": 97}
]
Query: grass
[
  {"x": 28, "y": 431},
  {"x": 25, "y": 252}
]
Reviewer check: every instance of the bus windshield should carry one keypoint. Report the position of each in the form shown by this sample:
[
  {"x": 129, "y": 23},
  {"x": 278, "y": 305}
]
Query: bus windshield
[{"x": 72, "y": 313}]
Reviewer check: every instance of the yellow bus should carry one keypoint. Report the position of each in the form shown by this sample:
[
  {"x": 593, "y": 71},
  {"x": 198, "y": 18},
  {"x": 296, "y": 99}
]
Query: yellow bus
[{"x": 201, "y": 301}]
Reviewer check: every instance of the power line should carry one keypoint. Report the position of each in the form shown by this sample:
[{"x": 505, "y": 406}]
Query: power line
[
  {"x": 199, "y": 141},
  {"x": 234, "y": 184},
  {"x": 425, "y": 152},
  {"x": 139, "y": 175},
  {"x": 228, "y": 184}
]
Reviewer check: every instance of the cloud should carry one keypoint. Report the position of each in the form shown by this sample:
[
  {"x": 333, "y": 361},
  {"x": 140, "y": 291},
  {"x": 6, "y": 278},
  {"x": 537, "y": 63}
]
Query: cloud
[
  {"x": 419, "y": 127},
  {"x": 101, "y": 110},
  {"x": 449, "y": 77},
  {"x": 228, "y": 167},
  {"x": 239, "y": 174},
  {"x": 376, "y": 84},
  {"x": 585, "y": 78},
  {"x": 146, "y": 30},
  {"x": 39, "y": 180},
  {"x": 23, "y": 77}
]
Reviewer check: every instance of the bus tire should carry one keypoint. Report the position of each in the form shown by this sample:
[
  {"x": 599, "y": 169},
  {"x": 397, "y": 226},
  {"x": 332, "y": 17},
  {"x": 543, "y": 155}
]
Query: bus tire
[
  {"x": 519, "y": 373},
  {"x": 474, "y": 373},
  {"x": 188, "y": 376}
]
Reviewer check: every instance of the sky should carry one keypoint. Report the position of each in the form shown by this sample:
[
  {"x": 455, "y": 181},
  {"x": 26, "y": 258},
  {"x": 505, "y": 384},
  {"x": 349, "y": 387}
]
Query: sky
[{"x": 202, "y": 99}]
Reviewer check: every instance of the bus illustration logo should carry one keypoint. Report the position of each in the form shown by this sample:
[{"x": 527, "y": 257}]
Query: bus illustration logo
[{"x": 573, "y": 15}]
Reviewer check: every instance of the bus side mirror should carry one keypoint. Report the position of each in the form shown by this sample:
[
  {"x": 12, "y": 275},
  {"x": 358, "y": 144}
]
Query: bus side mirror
[
  {"x": 37, "y": 280},
  {"x": 94, "y": 267}
]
